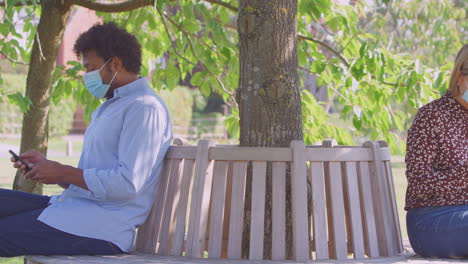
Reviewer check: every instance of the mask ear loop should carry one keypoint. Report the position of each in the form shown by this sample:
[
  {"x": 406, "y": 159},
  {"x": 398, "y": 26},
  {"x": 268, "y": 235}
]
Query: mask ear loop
[
  {"x": 115, "y": 75},
  {"x": 105, "y": 63}
]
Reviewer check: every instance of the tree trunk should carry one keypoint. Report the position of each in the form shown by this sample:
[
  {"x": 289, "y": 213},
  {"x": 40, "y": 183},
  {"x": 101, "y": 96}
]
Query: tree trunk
[
  {"x": 268, "y": 94},
  {"x": 34, "y": 133}
]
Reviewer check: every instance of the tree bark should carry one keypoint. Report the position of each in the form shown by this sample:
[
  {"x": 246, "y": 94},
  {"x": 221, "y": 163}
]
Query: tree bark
[
  {"x": 48, "y": 38},
  {"x": 268, "y": 94}
]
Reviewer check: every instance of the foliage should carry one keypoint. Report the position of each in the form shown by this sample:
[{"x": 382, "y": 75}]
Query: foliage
[
  {"x": 15, "y": 45},
  {"x": 373, "y": 84},
  {"x": 61, "y": 113},
  {"x": 420, "y": 28},
  {"x": 317, "y": 125},
  {"x": 378, "y": 90},
  {"x": 10, "y": 109}
]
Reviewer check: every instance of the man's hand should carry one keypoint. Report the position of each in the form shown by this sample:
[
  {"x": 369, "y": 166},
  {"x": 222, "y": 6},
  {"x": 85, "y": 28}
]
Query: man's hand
[
  {"x": 50, "y": 172},
  {"x": 46, "y": 171},
  {"x": 30, "y": 157},
  {"x": 42, "y": 169}
]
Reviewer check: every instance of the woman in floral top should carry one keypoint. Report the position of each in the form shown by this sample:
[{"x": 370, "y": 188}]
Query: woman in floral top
[{"x": 437, "y": 171}]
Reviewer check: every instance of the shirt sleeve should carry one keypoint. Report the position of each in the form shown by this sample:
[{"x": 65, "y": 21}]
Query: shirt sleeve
[
  {"x": 143, "y": 140},
  {"x": 423, "y": 146}
]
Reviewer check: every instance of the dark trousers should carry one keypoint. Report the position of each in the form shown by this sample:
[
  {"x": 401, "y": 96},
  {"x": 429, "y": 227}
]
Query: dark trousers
[
  {"x": 22, "y": 234},
  {"x": 439, "y": 232}
]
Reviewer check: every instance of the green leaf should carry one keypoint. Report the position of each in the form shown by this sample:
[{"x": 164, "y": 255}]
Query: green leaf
[
  {"x": 302, "y": 57},
  {"x": 224, "y": 15},
  {"x": 172, "y": 76},
  {"x": 337, "y": 22},
  {"x": 439, "y": 80},
  {"x": 226, "y": 52},
  {"x": 205, "y": 88},
  {"x": 4, "y": 29},
  {"x": 363, "y": 49},
  {"x": 22, "y": 101},
  {"x": 318, "y": 66},
  {"x": 197, "y": 78},
  {"x": 357, "y": 70}
]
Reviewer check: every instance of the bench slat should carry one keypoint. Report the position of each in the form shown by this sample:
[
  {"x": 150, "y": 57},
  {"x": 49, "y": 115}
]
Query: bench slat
[
  {"x": 257, "y": 217},
  {"x": 253, "y": 154},
  {"x": 150, "y": 230},
  {"x": 181, "y": 152},
  {"x": 319, "y": 211},
  {"x": 217, "y": 209},
  {"x": 181, "y": 211},
  {"x": 200, "y": 201},
  {"x": 278, "y": 251},
  {"x": 284, "y": 154},
  {"x": 227, "y": 210},
  {"x": 370, "y": 232},
  {"x": 237, "y": 210},
  {"x": 328, "y": 192},
  {"x": 173, "y": 192},
  {"x": 340, "y": 248},
  {"x": 299, "y": 202},
  {"x": 396, "y": 220},
  {"x": 382, "y": 206},
  {"x": 352, "y": 195}
]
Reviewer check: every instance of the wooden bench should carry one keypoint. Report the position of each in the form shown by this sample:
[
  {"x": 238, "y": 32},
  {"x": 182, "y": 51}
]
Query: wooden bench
[{"x": 201, "y": 191}]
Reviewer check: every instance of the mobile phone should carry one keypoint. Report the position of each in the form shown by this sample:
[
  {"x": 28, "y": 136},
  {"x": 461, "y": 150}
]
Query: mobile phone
[{"x": 17, "y": 158}]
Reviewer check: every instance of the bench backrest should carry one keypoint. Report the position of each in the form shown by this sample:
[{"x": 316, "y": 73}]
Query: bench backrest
[{"x": 200, "y": 197}]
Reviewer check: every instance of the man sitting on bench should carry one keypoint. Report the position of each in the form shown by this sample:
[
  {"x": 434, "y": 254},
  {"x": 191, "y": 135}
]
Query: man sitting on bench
[{"x": 111, "y": 192}]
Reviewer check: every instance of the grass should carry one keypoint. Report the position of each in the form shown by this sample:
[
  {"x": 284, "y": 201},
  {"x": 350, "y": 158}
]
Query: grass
[
  {"x": 7, "y": 175},
  {"x": 55, "y": 144}
]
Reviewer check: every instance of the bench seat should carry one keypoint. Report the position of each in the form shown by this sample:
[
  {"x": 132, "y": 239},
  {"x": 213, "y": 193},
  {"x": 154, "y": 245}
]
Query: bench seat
[
  {"x": 142, "y": 258},
  {"x": 198, "y": 212}
]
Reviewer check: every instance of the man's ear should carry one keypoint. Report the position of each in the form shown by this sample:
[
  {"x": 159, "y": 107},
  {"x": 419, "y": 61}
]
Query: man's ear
[{"x": 117, "y": 64}]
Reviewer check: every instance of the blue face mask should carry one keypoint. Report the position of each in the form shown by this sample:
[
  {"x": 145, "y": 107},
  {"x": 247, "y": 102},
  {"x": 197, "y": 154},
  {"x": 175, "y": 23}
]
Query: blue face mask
[
  {"x": 465, "y": 96},
  {"x": 93, "y": 82}
]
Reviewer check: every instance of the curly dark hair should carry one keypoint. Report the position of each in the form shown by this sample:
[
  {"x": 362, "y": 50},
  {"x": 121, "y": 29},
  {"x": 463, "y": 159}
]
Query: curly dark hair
[{"x": 108, "y": 40}]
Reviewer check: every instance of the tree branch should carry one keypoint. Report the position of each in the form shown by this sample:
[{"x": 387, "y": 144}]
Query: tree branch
[
  {"x": 189, "y": 33},
  {"x": 221, "y": 3},
  {"x": 328, "y": 86},
  {"x": 170, "y": 37},
  {"x": 112, "y": 6},
  {"x": 5, "y": 4},
  {"x": 328, "y": 47},
  {"x": 116, "y": 6},
  {"x": 12, "y": 60},
  {"x": 343, "y": 59},
  {"x": 122, "y": 6},
  {"x": 186, "y": 34}
]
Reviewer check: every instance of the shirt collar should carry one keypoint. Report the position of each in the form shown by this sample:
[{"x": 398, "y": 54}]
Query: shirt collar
[{"x": 136, "y": 87}]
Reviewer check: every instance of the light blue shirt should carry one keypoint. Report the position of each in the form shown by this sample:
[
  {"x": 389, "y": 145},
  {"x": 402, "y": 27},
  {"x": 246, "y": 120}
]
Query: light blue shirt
[{"x": 123, "y": 152}]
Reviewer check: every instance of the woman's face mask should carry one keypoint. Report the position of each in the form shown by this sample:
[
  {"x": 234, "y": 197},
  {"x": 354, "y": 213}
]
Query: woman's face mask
[
  {"x": 94, "y": 84},
  {"x": 465, "y": 96}
]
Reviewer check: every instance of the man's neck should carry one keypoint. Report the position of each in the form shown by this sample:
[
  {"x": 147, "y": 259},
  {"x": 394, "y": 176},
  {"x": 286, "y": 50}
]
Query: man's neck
[{"x": 124, "y": 80}]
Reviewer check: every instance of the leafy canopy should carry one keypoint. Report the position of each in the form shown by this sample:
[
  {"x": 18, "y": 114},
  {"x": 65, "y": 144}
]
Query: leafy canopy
[{"x": 364, "y": 53}]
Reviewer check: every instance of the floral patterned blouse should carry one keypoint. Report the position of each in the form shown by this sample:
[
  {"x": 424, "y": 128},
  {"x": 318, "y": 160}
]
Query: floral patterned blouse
[{"x": 437, "y": 155}]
